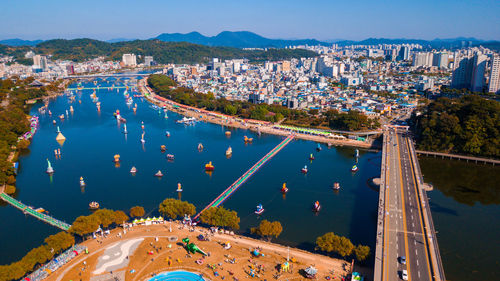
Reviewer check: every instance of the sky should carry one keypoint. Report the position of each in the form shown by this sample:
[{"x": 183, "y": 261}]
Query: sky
[{"x": 318, "y": 19}]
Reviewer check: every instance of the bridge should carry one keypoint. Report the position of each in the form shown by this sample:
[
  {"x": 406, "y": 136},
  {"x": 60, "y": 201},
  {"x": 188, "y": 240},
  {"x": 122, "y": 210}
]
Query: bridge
[
  {"x": 241, "y": 180},
  {"x": 97, "y": 88},
  {"x": 105, "y": 75},
  {"x": 404, "y": 225},
  {"x": 30, "y": 211}
]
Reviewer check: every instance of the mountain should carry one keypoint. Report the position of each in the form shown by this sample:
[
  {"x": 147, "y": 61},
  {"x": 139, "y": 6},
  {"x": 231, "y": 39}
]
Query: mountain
[
  {"x": 116, "y": 40},
  {"x": 19, "y": 42},
  {"x": 237, "y": 39},
  {"x": 163, "y": 52}
]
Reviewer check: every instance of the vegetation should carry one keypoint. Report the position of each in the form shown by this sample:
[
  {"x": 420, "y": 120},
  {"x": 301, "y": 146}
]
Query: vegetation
[
  {"x": 163, "y": 52},
  {"x": 467, "y": 125},
  {"x": 136, "y": 211},
  {"x": 167, "y": 88},
  {"x": 173, "y": 208},
  {"x": 85, "y": 225},
  {"x": 268, "y": 229},
  {"x": 218, "y": 216},
  {"x": 53, "y": 245},
  {"x": 342, "y": 246}
]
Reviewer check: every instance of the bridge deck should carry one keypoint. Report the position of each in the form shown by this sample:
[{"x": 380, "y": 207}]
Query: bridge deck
[
  {"x": 28, "y": 210},
  {"x": 241, "y": 180}
]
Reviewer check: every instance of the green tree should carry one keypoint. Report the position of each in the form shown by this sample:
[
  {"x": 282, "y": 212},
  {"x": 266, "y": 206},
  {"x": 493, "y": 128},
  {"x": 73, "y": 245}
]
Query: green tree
[
  {"x": 60, "y": 241},
  {"x": 120, "y": 217},
  {"x": 268, "y": 229},
  {"x": 361, "y": 252},
  {"x": 230, "y": 110},
  {"x": 136, "y": 211},
  {"x": 84, "y": 225},
  {"x": 330, "y": 242},
  {"x": 173, "y": 208},
  {"x": 219, "y": 216}
]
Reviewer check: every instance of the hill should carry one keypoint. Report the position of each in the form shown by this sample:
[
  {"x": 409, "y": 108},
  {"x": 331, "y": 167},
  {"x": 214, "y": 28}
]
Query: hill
[
  {"x": 237, "y": 39},
  {"x": 163, "y": 52},
  {"x": 19, "y": 42}
]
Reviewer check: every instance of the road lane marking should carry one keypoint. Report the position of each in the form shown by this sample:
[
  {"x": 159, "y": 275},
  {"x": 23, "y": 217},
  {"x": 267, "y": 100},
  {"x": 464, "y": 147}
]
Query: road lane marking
[{"x": 403, "y": 204}]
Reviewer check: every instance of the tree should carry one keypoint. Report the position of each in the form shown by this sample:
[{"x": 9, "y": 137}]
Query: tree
[
  {"x": 136, "y": 211},
  {"x": 120, "y": 217},
  {"x": 268, "y": 229},
  {"x": 330, "y": 242},
  {"x": 105, "y": 217},
  {"x": 230, "y": 110},
  {"x": 84, "y": 225},
  {"x": 173, "y": 208},
  {"x": 60, "y": 241},
  {"x": 219, "y": 216},
  {"x": 361, "y": 252}
]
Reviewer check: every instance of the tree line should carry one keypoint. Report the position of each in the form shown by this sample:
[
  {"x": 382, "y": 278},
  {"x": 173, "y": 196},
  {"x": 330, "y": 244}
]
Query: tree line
[
  {"x": 352, "y": 121},
  {"x": 79, "y": 50},
  {"x": 467, "y": 125}
]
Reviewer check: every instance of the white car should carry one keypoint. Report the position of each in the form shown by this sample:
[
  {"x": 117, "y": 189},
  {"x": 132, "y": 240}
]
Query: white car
[{"x": 404, "y": 274}]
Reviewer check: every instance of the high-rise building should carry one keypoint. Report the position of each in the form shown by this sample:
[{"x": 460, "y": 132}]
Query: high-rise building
[
  {"x": 285, "y": 66},
  {"x": 478, "y": 79},
  {"x": 70, "y": 69},
  {"x": 494, "y": 79},
  {"x": 148, "y": 60},
  {"x": 440, "y": 60},
  {"x": 129, "y": 60},
  {"x": 37, "y": 61},
  {"x": 422, "y": 59},
  {"x": 404, "y": 53}
]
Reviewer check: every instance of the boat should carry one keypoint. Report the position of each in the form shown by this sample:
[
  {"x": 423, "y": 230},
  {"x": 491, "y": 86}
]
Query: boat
[
  {"x": 142, "y": 125},
  {"x": 316, "y": 206},
  {"x": 54, "y": 122},
  {"x": 304, "y": 170},
  {"x": 311, "y": 157},
  {"x": 284, "y": 189},
  {"x": 125, "y": 129},
  {"x": 186, "y": 120},
  {"x": 318, "y": 148},
  {"x": 247, "y": 140},
  {"x": 179, "y": 187},
  {"x": 228, "y": 133},
  {"x": 209, "y": 166},
  {"x": 200, "y": 146},
  {"x": 71, "y": 109},
  {"x": 357, "y": 153},
  {"x": 93, "y": 205},
  {"x": 61, "y": 116},
  {"x": 336, "y": 186},
  {"x": 142, "y": 138},
  {"x": 229, "y": 151},
  {"x": 50, "y": 170},
  {"x": 170, "y": 156},
  {"x": 163, "y": 148},
  {"x": 40, "y": 210},
  {"x": 116, "y": 158},
  {"x": 159, "y": 174},
  {"x": 82, "y": 182},
  {"x": 354, "y": 168},
  {"x": 259, "y": 209},
  {"x": 167, "y": 134},
  {"x": 133, "y": 170}
]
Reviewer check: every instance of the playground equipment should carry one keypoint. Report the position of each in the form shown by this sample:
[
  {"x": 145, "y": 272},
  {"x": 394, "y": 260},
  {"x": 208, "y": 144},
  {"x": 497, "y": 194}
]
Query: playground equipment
[{"x": 192, "y": 248}]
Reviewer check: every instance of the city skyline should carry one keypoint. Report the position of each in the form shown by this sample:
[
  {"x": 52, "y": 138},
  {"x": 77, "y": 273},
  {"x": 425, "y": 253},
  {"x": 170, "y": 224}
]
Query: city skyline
[{"x": 320, "y": 20}]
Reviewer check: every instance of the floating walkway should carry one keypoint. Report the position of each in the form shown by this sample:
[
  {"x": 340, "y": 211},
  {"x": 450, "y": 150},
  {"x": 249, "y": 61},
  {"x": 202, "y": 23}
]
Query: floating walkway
[
  {"x": 30, "y": 211},
  {"x": 96, "y": 88},
  {"x": 241, "y": 180}
]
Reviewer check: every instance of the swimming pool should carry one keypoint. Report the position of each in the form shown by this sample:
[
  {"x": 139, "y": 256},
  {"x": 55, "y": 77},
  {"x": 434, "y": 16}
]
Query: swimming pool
[{"x": 178, "y": 275}]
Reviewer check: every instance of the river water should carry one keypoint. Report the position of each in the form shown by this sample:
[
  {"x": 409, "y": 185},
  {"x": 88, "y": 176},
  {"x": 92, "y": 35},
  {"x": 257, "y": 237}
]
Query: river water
[{"x": 93, "y": 138}]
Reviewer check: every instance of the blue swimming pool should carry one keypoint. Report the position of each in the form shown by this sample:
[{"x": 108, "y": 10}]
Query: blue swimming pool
[{"x": 178, "y": 275}]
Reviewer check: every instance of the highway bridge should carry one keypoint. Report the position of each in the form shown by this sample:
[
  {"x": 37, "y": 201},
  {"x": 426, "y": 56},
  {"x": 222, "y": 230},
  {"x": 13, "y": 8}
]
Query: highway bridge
[
  {"x": 106, "y": 75},
  {"x": 404, "y": 225}
]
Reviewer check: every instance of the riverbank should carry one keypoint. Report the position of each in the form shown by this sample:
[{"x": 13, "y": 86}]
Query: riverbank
[
  {"x": 254, "y": 125},
  {"x": 161, "y": 250}
]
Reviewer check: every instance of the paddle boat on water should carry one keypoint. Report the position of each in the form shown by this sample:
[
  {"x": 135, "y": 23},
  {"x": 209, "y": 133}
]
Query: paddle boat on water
[
  {"x": 167, "y": 133},
  {"x": 209, "y": 166},
  {"x": 318, "y": 148},
  {"x": 50, "y": 170},
  {"x": 200, "y": 146},
  {"x": 163, "y": 148},
  {"x": 284, "y": 189},
  {"x": 142, "y": 138},
  {"x": 247, "y": 139},
  {"x": 93, "y": 205},
  {"x": 304, "y": 170},
  {"x": 116, "y": 158},
  {"x": 316, "y": 206},
  {"x": 354, "y": 168},
  {"x": 179, "y": 187},
  {"x": 259, "y": 209},
  {"x": 133, "y": 170},
  {"x": 311, "y": 157},
  {"x": 82, "y": 182},
  {"x": 170, "y": 157},
  {"x": 336, "y": 186},
  {"x": 159, "y": 174},
  {"x": 229, "y": 151}
]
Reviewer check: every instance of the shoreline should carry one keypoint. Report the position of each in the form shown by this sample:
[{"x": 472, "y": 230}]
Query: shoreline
[{"x": 233, "y": 122}]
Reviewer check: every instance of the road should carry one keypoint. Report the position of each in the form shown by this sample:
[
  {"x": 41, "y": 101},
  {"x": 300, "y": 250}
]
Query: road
[{"x": 403, "y": 220}]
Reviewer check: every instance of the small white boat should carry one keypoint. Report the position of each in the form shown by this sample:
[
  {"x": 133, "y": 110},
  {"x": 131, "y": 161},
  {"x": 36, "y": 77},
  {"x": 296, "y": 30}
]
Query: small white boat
[
  {"x": 259, "y": 209},
  {"x": 304, "y": 170},
  {"x": 159, "y": 174},
  {"x": 133, "y": 170},
  {"x": 82, "y": 182},
  {"x": 179, "y": 187}
]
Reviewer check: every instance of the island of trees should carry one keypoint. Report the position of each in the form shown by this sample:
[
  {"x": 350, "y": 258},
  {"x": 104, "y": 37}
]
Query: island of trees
[
  {"x": 353, "y": 120},
  {"x": 467, "y": 125}
]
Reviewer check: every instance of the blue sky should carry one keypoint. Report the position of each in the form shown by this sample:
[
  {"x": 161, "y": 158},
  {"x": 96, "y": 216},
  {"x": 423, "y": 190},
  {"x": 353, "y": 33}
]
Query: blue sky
[{"x": 354, "y": 19}]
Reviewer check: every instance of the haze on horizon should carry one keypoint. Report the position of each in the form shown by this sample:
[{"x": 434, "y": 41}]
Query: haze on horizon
[{"x": 318, "y": 19}]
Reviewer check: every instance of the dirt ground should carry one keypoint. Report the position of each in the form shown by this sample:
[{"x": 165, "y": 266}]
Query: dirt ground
[{"x": 158, "y": 253}]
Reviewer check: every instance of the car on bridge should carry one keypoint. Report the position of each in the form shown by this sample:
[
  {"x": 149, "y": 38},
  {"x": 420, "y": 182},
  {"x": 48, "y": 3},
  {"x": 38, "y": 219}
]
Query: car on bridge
[
  {"x": 402, "y": 260},
  {"x": 404, "y": 274}
]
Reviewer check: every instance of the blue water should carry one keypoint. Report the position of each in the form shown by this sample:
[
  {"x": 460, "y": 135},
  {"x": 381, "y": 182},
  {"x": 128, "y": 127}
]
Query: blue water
[
  {"x": 177, "y": 275},
  {"x": 93, "y": 139}
]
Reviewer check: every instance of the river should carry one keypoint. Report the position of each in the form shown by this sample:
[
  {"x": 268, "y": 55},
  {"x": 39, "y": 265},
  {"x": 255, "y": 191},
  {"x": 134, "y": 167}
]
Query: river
[{"x": 93, "y": 138}]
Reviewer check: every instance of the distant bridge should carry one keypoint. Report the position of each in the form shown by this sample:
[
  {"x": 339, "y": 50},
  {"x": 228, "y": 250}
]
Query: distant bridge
[
  {"x": 105, "y": 75},
  {"x": 30, "y": 211}
]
